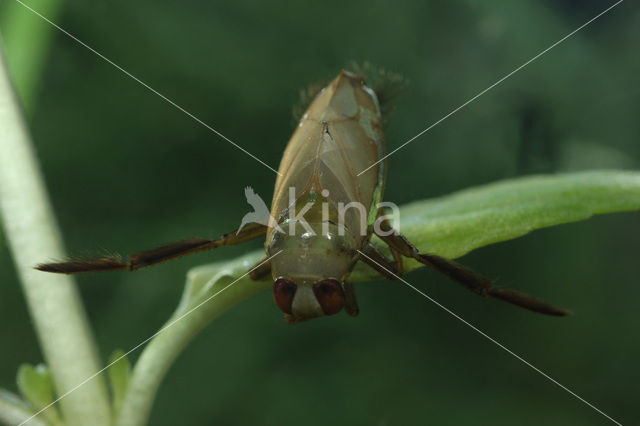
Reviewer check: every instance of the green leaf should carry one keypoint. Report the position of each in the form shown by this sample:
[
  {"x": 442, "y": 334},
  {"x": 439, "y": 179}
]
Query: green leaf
[
  {"x": 449, "y": 226},
  {"x": 27, "y": 62},
  {"x": 14, "y": 411},
  {"x": 118, "y": 372},
  {"x": 453, "y": 225},
  {"x": 36, "y": 387}
]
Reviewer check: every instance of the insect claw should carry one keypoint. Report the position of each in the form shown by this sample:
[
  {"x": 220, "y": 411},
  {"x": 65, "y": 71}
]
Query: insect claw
[{"x": 290, "y": 319}]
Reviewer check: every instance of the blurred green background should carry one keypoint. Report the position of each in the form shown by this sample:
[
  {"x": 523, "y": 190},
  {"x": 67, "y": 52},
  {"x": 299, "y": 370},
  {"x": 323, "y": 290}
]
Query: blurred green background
[{"x": 127, "y": 171}]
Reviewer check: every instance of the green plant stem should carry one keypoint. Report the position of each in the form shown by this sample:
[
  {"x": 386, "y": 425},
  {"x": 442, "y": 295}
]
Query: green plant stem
[
  {"x": 194, "y": 313},
  {"x": 53, "y": 300}
]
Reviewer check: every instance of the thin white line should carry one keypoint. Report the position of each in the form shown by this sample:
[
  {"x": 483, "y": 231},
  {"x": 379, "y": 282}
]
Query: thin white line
[
  {"x": 493, "y": 85},
  {"x": 494, "y": 341},
  {"x": 148, "y": 338},
  {"x": 150, "y": 88}
]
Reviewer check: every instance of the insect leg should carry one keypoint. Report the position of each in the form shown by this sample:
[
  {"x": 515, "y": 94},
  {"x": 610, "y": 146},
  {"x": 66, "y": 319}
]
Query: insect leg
[
  {"x": 261, "y": 270},
  {"x": 154, "y": 256},
  {"x": 465, "y": 276},
  {"x": 350, "y": 302},
  {"x": 378, "y": 261},
  {"x": 397, "y": 257}
]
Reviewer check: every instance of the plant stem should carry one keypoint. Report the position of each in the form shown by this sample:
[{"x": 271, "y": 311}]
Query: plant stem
[
  {"x": 184, "y": 324},
  {"x": 53, "y": 300}
]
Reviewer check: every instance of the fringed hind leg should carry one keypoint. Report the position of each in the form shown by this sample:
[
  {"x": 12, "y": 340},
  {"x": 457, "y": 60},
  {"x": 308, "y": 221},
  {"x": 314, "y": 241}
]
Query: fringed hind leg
[
  {"x": 154, "y": 256},
  {"x": 461, "y": 274}
]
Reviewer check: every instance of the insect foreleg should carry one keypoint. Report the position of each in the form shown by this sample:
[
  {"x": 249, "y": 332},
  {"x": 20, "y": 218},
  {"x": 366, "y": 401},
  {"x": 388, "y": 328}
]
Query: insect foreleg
[
  {"x": 350, "y": 302},
  {"x": 386, "y": 267},
  {"x": 261, "y": 270},
  {"x": 154, "y": 256},
  {"x": 465, "y": 276}
]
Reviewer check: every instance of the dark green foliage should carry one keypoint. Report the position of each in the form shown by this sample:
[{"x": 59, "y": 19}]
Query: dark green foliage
[{"x": 127, "y": 171}]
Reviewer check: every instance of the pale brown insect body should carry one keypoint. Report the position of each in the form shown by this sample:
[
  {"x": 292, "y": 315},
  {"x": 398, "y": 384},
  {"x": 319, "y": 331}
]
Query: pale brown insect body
[
  {"x": 339, "y": 136},
  {"x": 319, "y": 233}
]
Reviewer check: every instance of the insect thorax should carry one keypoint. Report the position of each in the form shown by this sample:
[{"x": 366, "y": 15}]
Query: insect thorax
[{"x": 311, "y": 251}]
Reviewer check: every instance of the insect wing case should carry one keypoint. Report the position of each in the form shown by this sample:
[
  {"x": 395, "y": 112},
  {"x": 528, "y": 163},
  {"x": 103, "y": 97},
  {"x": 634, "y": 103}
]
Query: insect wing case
[{"x": 339, "y": 136}]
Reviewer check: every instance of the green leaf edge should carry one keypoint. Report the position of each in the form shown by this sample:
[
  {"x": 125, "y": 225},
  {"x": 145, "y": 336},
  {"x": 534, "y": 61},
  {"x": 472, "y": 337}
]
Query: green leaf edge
[{"x": 36, "y": 387}]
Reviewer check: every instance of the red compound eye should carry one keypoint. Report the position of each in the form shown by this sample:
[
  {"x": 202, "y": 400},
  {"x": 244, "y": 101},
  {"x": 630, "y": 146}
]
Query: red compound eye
[
  {"x": 283, "y": 292},
  {"x": 330, "y": 296}
]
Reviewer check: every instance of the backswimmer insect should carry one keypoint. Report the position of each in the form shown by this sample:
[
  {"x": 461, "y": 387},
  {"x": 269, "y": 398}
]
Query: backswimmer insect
[{"x": 339, "y": 135}]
